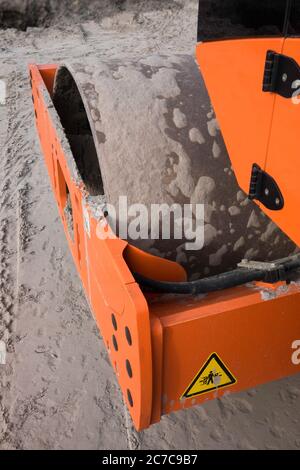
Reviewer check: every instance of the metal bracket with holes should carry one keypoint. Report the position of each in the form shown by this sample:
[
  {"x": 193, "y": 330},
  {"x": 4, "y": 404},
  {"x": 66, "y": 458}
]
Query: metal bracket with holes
[
  {"x": 264, "y": 189},
  {"x": 281, "y": 75}
]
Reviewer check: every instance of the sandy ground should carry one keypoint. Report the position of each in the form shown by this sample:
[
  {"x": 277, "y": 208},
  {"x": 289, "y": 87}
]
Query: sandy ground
[{"x": 57, "y": 389}]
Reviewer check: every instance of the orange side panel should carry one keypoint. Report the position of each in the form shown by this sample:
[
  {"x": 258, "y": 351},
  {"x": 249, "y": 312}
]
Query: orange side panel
[
  {"x": 233, "y": 72},
  {"x": 253, "y": 337},
  {"x": 119, "y": 307},
  {"x": 283, "y": 161}
]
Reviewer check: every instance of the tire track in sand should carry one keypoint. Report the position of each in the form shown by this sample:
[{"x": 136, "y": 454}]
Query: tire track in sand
[{"x": 13, "y": 226}]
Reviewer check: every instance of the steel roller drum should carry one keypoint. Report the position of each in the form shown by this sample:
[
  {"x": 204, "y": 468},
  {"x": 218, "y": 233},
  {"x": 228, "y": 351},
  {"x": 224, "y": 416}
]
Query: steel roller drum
[{"x": 145, "y": 128}]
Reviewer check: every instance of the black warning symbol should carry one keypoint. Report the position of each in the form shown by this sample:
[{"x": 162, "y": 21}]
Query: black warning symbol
[{"x": 213, "y": 375}]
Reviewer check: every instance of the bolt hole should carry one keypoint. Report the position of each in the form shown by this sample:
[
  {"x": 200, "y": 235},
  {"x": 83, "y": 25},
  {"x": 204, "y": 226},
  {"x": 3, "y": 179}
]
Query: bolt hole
[
  {"x": 128, "y": 368},
  {"x": 267, "y": 192},
  {"x": 129, "y": 397},
  {"x": 115, "y": 344},
  {"x": 114, "y": 322},
  {"x": 128, "y": 336},
  {"x": 277, "y": 201}
]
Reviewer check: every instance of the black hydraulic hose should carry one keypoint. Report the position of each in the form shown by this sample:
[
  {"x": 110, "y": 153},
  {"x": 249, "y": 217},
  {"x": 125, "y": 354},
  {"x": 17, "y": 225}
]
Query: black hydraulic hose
[
  {"x": 222, "y": 281},
  {"x": 203, "y": 286},
  {"x": 292, "y": 264}
]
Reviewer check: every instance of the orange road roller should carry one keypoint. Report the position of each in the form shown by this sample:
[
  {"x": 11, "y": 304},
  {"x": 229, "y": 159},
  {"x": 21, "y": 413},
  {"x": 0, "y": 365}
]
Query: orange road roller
[{"x": 176, "y": 179}]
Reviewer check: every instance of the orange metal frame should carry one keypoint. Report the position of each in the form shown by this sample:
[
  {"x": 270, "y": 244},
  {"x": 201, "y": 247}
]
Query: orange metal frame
[{"x": 158, "y": 343}]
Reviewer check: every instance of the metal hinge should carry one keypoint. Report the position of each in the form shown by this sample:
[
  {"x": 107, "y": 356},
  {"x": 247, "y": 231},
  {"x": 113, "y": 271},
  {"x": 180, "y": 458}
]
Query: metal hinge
[
  {"x": 264, "y": 189},
  {"x": 281, "y": 75}
]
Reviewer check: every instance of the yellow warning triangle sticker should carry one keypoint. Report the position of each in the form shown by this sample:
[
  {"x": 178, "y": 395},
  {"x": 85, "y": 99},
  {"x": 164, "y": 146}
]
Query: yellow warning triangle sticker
[{"x": 213, "y": 375}]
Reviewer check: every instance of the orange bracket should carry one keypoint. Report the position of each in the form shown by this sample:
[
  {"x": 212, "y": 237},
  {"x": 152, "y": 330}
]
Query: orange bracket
[{"x": 161, "y": 347}]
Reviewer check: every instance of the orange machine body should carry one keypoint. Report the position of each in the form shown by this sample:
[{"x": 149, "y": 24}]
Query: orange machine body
[
  {"x": 257, "y": 127},
  {"x": 164, "y": 348}
]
